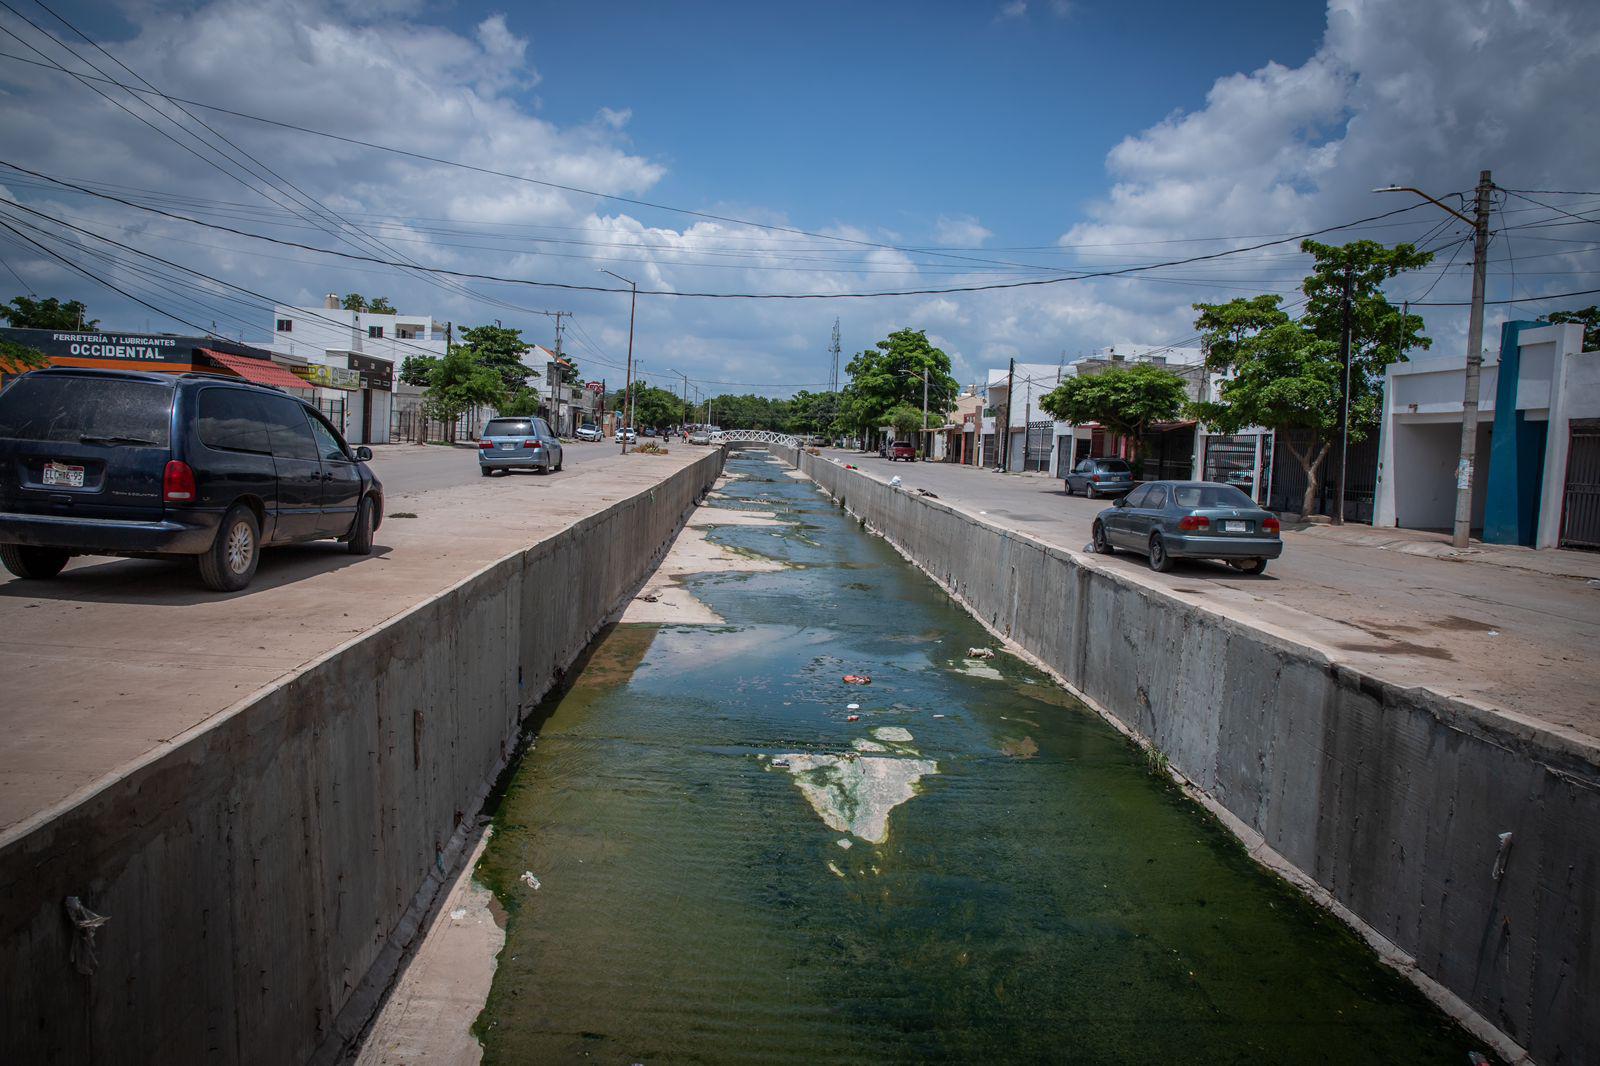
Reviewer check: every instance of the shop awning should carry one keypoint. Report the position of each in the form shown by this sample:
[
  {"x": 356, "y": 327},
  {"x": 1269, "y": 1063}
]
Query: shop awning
[{"x": 259, "y": 371}]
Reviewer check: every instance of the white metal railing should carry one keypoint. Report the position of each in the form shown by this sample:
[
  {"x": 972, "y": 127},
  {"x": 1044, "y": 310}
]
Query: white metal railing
[{"x": 755, "y": 436}]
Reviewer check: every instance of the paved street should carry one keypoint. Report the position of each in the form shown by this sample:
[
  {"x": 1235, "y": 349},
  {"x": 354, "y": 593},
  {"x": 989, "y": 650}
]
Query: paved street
[
  {"x": 118, "y": 656},
  {"x": 1509, "y": 628}
]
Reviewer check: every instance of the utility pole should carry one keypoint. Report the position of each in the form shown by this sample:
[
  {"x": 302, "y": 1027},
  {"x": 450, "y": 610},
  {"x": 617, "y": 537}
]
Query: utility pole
[
  {"x": 833, "y": 379},
  {"x": 1344, "y": 393},
  {"x": 1005, "y": 432},
  {"x": 1462, "y": 531},
  {"x": 627, "y": 397},
  {"x": 926, "y": 454}
]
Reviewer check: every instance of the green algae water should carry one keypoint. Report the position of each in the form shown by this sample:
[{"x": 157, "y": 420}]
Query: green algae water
[{"x": 976, "y": 870}]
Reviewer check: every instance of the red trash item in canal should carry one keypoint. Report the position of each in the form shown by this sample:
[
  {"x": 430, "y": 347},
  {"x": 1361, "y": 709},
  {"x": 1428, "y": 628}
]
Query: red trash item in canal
[{"x": 857, "y": 679}]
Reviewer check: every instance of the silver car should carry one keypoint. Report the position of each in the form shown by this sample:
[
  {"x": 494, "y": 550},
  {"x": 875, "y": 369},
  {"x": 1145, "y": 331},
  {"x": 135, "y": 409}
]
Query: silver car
[
  {"x": 589, "y": 431},
  {"x": 518, "y": 443},
  {"x": 1169, "y": 520},
  {"x": 1099, "y": 477}
]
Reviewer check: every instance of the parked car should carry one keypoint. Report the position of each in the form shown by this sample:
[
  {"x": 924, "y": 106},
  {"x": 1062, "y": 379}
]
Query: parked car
[
  {"x": 1169, "y": 520},
  {"x": 649, "y": 431},
  {"x": 1100, "y": 477},
  {"x": 508, "y": 444},
  {"x": 116, "y": 462},
  {"x": 902, "y": 449},
  {"x": 631, "y": 435},
  {"x": 699, "y": 435},
  {"x": 589, "y": 431}
]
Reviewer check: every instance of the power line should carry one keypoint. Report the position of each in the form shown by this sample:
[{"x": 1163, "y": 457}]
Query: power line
[
  {"x": 1523, "y": 300},
  {"x": 984, "y": 287}
]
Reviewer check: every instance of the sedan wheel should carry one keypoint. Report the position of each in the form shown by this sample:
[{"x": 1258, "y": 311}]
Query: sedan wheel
[
  {"x": 1069, "y": 486},
  {"x": 1249, "y": 566},
  {"x": 1102, "y": 545},
  {"x": 1160, "y": 561}
]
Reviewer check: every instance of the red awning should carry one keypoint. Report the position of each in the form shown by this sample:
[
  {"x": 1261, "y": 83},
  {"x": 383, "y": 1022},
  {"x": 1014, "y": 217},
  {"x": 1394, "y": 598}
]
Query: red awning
[{"x": 259, "y": 371}]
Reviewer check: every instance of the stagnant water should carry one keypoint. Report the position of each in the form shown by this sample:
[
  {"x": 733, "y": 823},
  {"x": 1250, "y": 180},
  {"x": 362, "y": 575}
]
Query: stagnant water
[{"x": 1042, "y": 895}]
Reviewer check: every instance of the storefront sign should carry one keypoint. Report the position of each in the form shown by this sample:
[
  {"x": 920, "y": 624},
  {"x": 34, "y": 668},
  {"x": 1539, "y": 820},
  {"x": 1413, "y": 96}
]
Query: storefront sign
[
  {"x": 375, "y": 373},
  {"x": 74, "y": 349},
  {"x": 329, "y": 377},
  {"x": 594, "y": 386}
]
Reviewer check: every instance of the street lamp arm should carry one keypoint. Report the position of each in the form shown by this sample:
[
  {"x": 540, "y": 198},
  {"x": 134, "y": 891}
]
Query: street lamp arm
[{"x": 1430, "y": 199}]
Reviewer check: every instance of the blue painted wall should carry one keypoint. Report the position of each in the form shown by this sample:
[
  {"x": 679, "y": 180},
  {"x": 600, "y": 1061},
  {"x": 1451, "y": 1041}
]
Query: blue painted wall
[{"x": 1516, "y": 453}]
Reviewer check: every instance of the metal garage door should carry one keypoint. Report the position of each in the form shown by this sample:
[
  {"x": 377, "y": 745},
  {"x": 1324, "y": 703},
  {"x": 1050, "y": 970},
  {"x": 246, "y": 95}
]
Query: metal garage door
[{"x": 1580, "y": 510}]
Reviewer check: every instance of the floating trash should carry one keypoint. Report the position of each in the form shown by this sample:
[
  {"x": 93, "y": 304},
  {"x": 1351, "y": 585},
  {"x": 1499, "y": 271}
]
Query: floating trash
[
  {"x": 528, "y": 879},
  {"x": 857, "y": 679},
  {"x": 844, "y": 842},
  {"x": 852, "y": 706},
  {"x": 980, "y": 653}
]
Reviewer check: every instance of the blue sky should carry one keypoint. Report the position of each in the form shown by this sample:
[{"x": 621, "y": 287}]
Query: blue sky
[{"x": 1102, "y": 134}]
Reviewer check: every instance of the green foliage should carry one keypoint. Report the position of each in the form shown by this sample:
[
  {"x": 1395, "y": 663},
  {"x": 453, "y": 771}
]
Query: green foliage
[
  {"x": 655, "y": 408},
  {"x": 520, "y": 402},
  {"x": 459, "y": 381},
  {"x": 49, "y": 313},
  {"x": 1285, "y": 375},
  {"x": 500, "y": 349},
  {"x": 1589, "y": 318},
  {"x": 890, "y": 374},
  {"x": 1126, "y": 399},
  {"x": 16, "y": 358},
  {"x": 418, "y": 369},
  {"x": 905, "y": 419},
  {"x": 353, "y": 301},
  {"x": 381, "y": 306}
]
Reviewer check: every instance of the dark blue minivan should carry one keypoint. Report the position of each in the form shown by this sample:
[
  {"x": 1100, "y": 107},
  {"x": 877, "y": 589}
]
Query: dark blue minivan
[{"x": 112, "y": 462}]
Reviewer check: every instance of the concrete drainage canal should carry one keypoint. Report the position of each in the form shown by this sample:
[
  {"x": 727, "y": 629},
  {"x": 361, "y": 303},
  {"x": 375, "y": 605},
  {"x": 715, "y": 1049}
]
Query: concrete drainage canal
[{"x": 717, "y": 850}]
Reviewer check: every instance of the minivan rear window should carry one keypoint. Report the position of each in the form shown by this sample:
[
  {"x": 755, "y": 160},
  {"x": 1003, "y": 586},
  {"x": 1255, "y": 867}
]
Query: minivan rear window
[
  {"x": 509, "y": 427},
  {"x": 94, "y": 410}
]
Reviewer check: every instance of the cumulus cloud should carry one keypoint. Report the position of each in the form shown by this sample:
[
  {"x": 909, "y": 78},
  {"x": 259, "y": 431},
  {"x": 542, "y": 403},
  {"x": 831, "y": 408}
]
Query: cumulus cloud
[
  {"x": 1015, "y": 9},
  {"x": 1424, "y": 92},
  {"x": 960, "y": 230}
]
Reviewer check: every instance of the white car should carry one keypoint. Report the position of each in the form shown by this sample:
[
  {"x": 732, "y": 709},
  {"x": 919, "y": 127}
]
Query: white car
[
  {"x": 632, "y": 436},
  {"x": 699, "y": 436},
  {"x": 588, "y": 431}
]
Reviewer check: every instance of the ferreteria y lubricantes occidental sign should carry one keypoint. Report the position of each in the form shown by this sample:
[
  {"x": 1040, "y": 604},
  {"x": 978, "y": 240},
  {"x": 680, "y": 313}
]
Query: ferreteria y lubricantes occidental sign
[{"x": 126, "y": 347}]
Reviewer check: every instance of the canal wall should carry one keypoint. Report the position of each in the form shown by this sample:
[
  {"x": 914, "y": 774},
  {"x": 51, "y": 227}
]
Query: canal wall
[
  {"x": 264, "y": 876},
  {"x": 1385, "y": 803}
]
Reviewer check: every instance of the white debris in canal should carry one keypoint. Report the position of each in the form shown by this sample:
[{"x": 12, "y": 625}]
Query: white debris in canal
[
  {"x": 853, "y": 793},
  {"x": 893, "y": 734}
]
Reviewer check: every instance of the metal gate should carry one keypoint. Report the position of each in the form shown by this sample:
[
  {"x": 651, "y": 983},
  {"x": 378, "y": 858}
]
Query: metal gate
[
  {"x": 1580, "y": 505},
  {"x": 1036, "y": 446}
]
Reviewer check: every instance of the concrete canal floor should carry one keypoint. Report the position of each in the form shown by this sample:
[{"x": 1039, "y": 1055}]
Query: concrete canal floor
[{"x": 707, "y": 855}]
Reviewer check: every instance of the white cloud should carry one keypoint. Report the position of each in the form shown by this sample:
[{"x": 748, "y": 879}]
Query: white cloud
[
  {"x": 1015, "y": 9},
  {"x": 1423, "y": 92},
  {"x": 960, "y": 230}
]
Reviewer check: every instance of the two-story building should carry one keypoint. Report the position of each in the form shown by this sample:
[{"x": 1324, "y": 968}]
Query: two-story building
[{"x": 352, "y": 359}]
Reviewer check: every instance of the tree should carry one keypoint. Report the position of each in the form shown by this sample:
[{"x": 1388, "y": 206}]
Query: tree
[
  {"x": 655, "y": 408},
  {"x": 49, "y": 313},
  {"x": 1285, "y": 375},
  {"x": 381, "y": 306},
  {"x": 500, "y": 350},
  {"x": 891, "y": 373},
  {"x": 1126, "y": 399},
  {"x": 353, "y": 301},
  {"x": 905, "y": 419},
  {"x": 17, "y": 358},
  {"x": 1589, "y": 318},
  {"x": 459, "y": 381},
  {"x": 418, "y": 369},
  {"x": 522, "y": 402}
]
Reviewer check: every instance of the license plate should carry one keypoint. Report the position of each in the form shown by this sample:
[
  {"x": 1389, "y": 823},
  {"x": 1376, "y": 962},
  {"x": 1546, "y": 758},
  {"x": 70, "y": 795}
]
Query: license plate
[
  {"x": 1236, "y": 527},
  {"x": 61, "y": 474}
]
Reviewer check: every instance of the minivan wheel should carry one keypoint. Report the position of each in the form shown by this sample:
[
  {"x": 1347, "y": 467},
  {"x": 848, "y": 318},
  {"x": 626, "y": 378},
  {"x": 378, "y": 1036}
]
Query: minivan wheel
[
  {"x": 486, "y": 471},
  {"x": 360, "y": 539},
  {"x": 1160, "y": 561},
  {"x": 32, "y": 561},
  {"x": 230, "y": 562},
  {"x": 1091, "y": 492}
]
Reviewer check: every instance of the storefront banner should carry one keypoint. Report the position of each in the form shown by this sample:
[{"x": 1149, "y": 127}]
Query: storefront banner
[
  {"x": 375, "y": 374},
  {"x": 330, "y": 377}
]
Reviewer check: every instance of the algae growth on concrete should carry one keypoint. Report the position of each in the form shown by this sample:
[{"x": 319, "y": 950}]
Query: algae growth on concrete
[{"x": 1017, "y": 886}]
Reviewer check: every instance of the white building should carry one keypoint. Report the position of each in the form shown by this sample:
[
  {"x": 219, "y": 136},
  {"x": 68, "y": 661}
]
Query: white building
[
  {"x": 353, "y": 358},
  {"x": 1536, "y": 475}
]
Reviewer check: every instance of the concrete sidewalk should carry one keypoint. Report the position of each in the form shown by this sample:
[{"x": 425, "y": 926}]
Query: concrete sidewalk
[
  {"x": 119, "y": 656},
  {"x": 1509, "y": 629}
]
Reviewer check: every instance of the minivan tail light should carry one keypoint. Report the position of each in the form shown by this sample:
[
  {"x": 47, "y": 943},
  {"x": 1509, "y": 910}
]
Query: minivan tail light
[
  {"x": 1194, "y": 521},
  {"x": 177, "y": 483},
  {"x": 485, "y": 445},
  {"x": 531, "y": 444},
  {"x": 1271, "y": 525}
]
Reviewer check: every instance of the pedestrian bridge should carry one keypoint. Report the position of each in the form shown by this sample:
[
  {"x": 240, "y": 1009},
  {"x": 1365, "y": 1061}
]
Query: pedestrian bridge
[{"x": 754, "y": 436}]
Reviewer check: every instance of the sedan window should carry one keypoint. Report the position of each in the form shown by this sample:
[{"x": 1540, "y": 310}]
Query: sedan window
[
  {"x": 1155, "y": 497},
  {"x": 1192, "y": 497},
  {"x": 1137, "y": 497}
]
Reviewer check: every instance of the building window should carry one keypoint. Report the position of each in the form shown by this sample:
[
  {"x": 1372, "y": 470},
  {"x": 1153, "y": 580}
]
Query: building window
[
  {"x": 285, "y": 325},
  {"x": 374, "y": 331}
]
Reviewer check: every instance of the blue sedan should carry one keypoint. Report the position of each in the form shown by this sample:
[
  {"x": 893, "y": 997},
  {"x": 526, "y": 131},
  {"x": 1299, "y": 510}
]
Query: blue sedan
[{"x": 1169, "y": 520}]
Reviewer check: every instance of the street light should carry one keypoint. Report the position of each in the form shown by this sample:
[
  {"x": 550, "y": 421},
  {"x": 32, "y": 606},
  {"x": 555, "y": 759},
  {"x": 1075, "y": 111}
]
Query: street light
[
  {"x": 924, "y": 374},
  {"x": 1462, "y": 531},
  {"x": 627, "y": 396}
]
